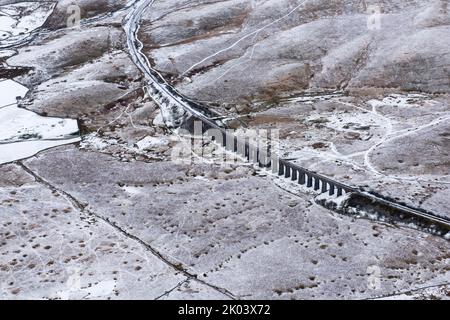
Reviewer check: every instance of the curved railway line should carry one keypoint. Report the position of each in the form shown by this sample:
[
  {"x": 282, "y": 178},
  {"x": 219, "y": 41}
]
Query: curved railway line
[{"x": 167, "y": 97}]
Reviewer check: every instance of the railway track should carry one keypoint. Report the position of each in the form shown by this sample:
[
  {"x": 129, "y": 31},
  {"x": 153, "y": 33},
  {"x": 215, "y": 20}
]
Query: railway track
[{"x": 167, "y": 97}]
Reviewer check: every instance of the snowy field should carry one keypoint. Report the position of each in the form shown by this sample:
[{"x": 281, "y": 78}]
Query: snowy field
[
  {"x": 24, "y": 133},
  {"x": 114, "y": 217}
]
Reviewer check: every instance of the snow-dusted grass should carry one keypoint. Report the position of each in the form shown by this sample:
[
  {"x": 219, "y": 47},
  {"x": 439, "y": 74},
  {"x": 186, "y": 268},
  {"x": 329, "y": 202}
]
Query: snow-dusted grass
[
  {"x": 21, "y": 150},
  {"x": 15, "y": 25},
  {"x": 10, "y": 91},
  {"x": 24, "y": 133}
]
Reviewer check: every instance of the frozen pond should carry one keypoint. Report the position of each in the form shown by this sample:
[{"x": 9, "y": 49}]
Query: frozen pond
[
  {"x": 24, "y": 133},
  {"x": 18, "y": 20}
]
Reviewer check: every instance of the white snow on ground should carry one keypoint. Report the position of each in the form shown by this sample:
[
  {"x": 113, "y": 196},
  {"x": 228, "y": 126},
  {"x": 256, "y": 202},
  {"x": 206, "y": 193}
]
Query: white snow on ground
[
  {"x": 10, "y": 91},
  {"x": 291, "y": 186},
  {"x": 349, "y": 122},
  {"x": 6, "y": 53},
  {"x": 96, "y": 291},
  {"x": 371, "y": 125},
  {"x": 21, "y": 150},
  {"x": 19, "y": 124},
  {"x": 24, "y": 133},
  {"x": 338, "y": 201},
  {"x": 397, "y": 100},
  {"x": 95, "y": 142},
  {"x": 132, "y": 190},
  {"x": 432, "y": 293},
  {"x": 6, "y": 26},
  {"x": 314, "y": 98},
  {"x": 14, "y": 27},
  {"x": 150, "y": 142}
]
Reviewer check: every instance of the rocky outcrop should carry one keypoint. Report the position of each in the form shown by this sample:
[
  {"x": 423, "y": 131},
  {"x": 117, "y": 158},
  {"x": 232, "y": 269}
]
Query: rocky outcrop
[{"x": 80, "y": 73}]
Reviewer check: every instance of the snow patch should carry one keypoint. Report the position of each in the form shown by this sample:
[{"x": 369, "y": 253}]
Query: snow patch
[
  {"x": 22, "y": 150},
  {"x": 350, "y": 121},
  {"x": 23, "y": 133},
  {"x": 95, "y": 142},
  {"x": 159, "y": 120},
  {"x": 101, "y": 289},
  {"x": 132, "y": 190},
  {"x": 15, "y": 25},
  {"x": 151, "y": 142},
  {"x": 97, "y": 291},
  {"x": 6, "y": 53},
  {"x": 10, "y": 91},
  {"x": 339, "y": 202},
  {"x": 397, "y": 100},
  {"x": 18, "y": 124},
  {"x": 314, "y": 98}
]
